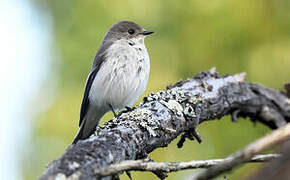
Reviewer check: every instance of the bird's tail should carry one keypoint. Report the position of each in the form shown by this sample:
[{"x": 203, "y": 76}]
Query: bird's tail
[{"x": 89, "y": 124}]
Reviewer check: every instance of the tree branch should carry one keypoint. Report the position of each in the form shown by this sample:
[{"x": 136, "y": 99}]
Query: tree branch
[
  {"x": 280, "y": 135},
  {"x": 148, "y": 165},
  {"x": 163, "y": 116}
]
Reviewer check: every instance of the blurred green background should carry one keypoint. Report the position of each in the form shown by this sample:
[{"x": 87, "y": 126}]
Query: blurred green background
[{"x": 250, "y": 36}]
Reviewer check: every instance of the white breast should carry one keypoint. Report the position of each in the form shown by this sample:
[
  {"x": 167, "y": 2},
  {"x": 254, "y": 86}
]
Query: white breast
[{"x": 123, "y": 76}]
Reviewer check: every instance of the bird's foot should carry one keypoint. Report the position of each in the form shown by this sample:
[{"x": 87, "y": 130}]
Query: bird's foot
[{"x": 127, "y": 109}]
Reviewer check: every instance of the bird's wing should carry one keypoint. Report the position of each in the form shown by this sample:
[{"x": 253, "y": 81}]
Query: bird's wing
[
  {"x": 99, "y": 59},
  {"x": 85, "y": 101}
]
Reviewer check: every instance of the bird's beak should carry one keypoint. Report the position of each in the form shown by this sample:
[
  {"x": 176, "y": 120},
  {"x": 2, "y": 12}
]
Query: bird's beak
[{"x": 147, "y": 32}]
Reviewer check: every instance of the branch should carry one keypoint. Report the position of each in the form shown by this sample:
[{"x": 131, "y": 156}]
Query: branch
[
  {"x": 147, "y": 165},
  {"x": 163, "y": 116},
  {"x": 234, "y": 160}
]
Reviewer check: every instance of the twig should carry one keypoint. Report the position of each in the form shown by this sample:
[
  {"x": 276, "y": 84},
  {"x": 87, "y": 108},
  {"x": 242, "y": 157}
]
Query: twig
[
  {"x": 234, "y": 160},
  {"x": 147, "y": 165}
]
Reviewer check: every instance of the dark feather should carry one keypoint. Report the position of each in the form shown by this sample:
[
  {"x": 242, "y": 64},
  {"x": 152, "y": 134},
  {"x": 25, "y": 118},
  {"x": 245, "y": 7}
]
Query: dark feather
[
  {"x": 85, "y": 101},
  {"x": 98, "y": 61}
]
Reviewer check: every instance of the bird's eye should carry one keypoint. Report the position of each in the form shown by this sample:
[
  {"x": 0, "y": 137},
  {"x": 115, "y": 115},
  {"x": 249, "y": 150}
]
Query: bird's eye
[{"x": 131, "y": 31}]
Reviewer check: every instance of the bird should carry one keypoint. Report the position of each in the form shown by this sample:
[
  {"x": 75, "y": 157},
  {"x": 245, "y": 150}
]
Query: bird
[{"x": 118, "y": 75}]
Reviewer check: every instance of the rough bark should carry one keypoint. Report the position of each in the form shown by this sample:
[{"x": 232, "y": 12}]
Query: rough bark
[{"x": 162, "y": 116}]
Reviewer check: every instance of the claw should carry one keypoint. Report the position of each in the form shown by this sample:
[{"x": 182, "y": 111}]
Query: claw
[{"x": 127, "y": 109}]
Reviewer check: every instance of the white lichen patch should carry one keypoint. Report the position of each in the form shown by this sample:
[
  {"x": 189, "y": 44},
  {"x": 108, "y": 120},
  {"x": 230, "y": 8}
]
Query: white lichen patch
[
  {"x": 139, "y": 112},
  {"x": 74, "y": 176},
  {"x": 150, "y": 130},
  {"x": 150, "y": 125},
  {"x": 174, "y": 106},
  {"x": 146, "y": 122},
  {"x": 60, "y": 176},
  {"x": 195, "y": 99},
  {"x": 241, "y": 77},
  {"x": 110, "y": 157},
  {"x": 178, "y": 95},
  {"x": 189, "y": 111},
  {"x": 179, "y": 102},
  {"x": 74, "y": 165}
]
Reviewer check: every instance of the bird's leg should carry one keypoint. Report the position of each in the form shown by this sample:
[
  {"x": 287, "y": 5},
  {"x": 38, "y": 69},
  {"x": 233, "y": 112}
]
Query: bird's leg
[{"x": 111, "y": 107}]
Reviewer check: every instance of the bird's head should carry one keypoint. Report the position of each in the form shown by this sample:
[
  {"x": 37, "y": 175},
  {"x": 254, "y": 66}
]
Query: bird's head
[{"x": 126, "y": 30}]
